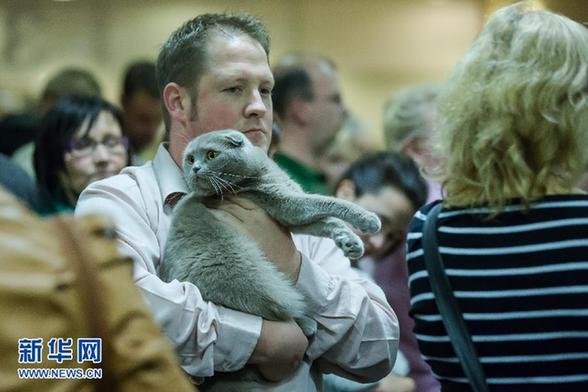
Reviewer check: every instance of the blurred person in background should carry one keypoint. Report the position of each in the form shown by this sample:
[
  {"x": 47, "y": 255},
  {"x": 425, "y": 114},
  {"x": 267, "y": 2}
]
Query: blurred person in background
[
  {"x": 409, "y": 127},
  {"x": 22, "y": 129},
  {"x": 410, "y": 117},
  {"x": 309, "y": 109},
  {"x": 351, "y": 142},
  {"x": 512, "y": 229},
  {"x": 390, "y": 185},
  {"x": 141, "y": 105},
  {"x": 80, "y": 141}
]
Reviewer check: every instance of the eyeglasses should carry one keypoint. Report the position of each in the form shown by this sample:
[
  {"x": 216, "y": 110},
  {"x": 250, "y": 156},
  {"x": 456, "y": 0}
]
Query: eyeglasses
[{"x": 87, "y": 146}]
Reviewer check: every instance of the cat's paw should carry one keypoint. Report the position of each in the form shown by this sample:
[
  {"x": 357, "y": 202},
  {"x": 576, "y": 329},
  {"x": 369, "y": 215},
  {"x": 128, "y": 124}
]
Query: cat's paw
[
  {"x": 307, "y": 325},
  {"x": 350, "y": 244},
  {"x": 370, "y": 223}
]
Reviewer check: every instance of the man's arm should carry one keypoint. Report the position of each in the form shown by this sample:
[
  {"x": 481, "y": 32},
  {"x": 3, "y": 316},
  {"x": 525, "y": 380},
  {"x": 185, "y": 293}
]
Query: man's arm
[
  {"x": 358, "y": 331},
  {"x": 206, "y": 337}
]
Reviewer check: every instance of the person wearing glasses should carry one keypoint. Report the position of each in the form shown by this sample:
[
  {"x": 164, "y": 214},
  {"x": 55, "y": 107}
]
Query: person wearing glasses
[{"x": 80, "y": 141}]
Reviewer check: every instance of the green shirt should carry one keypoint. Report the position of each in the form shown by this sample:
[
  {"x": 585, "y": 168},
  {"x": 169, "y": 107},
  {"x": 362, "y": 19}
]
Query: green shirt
[
  {"x": 309, "y": 179},
  {"x": 55, "y": 205}
]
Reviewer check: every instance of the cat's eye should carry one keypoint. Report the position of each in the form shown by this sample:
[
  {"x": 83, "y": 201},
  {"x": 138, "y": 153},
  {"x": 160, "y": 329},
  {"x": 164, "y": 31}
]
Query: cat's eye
[
  {"x": 211, "y": 155},
  {"x": 190, "y": 159}
]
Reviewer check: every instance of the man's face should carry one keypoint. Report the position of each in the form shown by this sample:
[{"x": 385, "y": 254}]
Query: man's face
[
  {"x": 327, "y": 109},
  {"x": 235, "y": 90},
  {"x": 395, "y": 211},
  {"x": 142, "y": 118}
]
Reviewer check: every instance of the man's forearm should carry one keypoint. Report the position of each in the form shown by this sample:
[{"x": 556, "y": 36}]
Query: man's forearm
[{"x": 357, "y": 330}]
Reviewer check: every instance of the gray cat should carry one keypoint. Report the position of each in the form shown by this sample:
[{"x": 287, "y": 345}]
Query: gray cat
[{"x": 228, "y": 267}]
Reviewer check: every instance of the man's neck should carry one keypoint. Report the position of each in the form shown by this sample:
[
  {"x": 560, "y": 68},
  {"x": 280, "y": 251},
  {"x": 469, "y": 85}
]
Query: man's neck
[
  {"x": 295, "y": 144},
  {"x": 177, "y": 144}
]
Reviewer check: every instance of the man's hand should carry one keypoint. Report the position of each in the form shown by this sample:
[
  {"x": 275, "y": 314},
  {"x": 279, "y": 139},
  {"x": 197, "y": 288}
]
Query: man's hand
[
  {"x": 273, "y": 239},
  {"x": 279, "y": 350},
  {"x": 395, "y": 383}
]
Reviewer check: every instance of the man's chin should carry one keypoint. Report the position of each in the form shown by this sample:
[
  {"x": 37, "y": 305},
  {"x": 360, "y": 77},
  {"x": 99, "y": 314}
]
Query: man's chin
[{"x": 258, "y": 139}]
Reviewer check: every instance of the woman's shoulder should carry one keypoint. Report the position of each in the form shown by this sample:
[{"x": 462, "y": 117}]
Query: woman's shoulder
[{"x": 420, "y": 216}]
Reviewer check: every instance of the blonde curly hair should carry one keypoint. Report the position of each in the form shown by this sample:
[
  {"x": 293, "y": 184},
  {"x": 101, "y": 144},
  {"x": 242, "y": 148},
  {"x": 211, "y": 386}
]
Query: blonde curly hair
[{"x": 514, "y": 115}]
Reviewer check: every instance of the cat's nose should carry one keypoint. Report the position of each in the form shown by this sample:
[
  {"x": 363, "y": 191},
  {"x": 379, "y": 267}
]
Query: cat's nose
[{"x": 195, "y": 169}]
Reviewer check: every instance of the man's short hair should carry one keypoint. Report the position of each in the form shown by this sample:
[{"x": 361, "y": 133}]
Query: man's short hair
[
  {"x": 293, "y": 80},
  {"x": 372, "y": 173},
  {"x": 289, "y": 84},
  {"x": 182, "y": 58},
  {"x": 140, "y": 76},
  {"x": 71, "y": 81}
]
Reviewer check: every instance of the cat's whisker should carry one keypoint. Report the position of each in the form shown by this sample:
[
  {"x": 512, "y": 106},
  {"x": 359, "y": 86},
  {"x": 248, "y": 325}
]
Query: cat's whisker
[
  {"x": 218, "y": 187},
  {"x": 233, "y": 174},
  {"x": 219, "y": 181},
  {"x": 228, "y": 185},
  {"x": 215, "y": 186}
]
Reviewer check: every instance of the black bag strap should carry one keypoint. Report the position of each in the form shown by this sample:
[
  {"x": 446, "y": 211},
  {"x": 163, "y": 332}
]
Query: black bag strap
[{"x": 448, "y": 306}]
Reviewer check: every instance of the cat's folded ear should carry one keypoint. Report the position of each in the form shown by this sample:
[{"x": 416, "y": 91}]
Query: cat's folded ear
[{"x": 234, "y": 140}]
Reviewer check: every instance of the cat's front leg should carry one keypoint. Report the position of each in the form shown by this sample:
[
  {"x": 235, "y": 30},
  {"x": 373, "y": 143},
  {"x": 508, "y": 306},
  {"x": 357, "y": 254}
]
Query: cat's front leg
[
  {"x": 338, "y": 231},
  {"x": 297, "y": 209}
]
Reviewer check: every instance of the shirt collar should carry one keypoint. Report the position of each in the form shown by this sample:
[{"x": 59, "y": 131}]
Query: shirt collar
[{"x": 169, "y": 177}]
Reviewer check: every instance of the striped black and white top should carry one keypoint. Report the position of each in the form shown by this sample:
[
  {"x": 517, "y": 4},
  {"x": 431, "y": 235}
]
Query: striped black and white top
[{"x": 521, "y": 281}]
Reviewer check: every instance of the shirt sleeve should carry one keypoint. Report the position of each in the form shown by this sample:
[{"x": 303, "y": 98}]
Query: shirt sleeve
[
  {"x": 206, "y": 337},
  {"x": 358, "y": 333}
]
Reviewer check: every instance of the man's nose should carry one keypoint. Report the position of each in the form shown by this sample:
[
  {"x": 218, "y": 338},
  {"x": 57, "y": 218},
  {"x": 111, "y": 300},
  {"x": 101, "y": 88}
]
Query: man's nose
[{"x": 255, "y": 106}]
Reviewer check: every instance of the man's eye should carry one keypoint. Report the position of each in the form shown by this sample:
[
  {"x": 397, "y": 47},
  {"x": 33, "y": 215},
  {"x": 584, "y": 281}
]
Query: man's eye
[
  {"x": 265, "y": 91},
  {"x": 233, "y": 90}
]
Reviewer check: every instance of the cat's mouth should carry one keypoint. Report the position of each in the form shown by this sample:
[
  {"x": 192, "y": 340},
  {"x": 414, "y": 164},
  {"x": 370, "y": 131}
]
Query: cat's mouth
[{"x": 207, "y": 186}]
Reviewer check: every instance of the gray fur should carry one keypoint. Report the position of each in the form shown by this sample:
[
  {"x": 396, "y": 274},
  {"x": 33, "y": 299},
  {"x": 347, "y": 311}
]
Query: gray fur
[{"x": 228, "y": 267}]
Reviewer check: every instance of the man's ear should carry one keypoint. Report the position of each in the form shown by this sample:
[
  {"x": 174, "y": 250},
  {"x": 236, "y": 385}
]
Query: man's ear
[
  {"x": 298, "y": 110},
  {"x": 177, "y": 102},
  {"x": 346, "y": 190}
]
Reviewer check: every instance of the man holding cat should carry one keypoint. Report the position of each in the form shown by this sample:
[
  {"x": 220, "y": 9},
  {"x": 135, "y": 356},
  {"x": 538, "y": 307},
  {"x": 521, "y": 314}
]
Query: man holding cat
[{"x": 214, "y": 74}]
